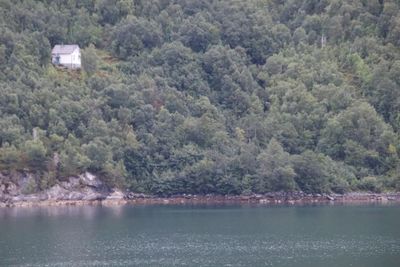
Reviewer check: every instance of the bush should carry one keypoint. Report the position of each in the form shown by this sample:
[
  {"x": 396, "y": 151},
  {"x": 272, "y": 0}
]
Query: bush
[
  {"x": 47, "y": 180},
  {"x": 35, "y": 153},
  {"x": 370, "y": 183},
  {"x": 31, "y": 186}
]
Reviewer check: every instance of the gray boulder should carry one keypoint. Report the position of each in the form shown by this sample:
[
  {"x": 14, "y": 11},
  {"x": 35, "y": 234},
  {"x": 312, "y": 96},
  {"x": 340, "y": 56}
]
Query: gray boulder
[
  {"x": 57, "y": 193},
  {"x": 89, "y": 179},
  {"x": 116, "y": 195}
]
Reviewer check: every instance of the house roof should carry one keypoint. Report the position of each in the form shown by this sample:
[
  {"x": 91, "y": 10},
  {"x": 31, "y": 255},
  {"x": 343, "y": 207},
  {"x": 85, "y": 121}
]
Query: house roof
[{"x": 64, "y": 49}]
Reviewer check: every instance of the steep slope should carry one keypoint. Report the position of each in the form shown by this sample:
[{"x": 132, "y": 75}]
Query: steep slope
[{"x": 192, "y": 96}]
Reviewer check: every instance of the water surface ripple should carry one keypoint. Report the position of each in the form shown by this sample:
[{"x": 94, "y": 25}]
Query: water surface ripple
[{"x": 201, "y": 236}]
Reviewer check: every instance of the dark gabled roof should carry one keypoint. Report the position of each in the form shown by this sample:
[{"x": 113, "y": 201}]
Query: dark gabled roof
[{"x": 64, "y": 49}]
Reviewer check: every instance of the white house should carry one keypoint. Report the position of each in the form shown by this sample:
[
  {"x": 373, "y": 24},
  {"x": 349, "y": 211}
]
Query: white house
[{"x": 66, "y": 55}]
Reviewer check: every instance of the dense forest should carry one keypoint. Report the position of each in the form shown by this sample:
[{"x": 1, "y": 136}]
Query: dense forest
[{"x": 204, "y": 96}]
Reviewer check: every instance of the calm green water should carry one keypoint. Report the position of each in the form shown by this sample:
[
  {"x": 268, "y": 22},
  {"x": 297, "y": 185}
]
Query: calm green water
[{"x": 201, "y": 236}]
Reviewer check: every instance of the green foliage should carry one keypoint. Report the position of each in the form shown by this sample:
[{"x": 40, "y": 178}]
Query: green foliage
[
  {"x": 370, "y": 183},
  {"x": 90, "y": 60},
  {"x": 311, "y": 172},
  {"x": 224, "y": 97},
  {"x": 35, "y": 154},
  {"x": 360, "y": 68},
  {"x": 275, "y": 169},
  {"x": 9, "y": 158},
  {"x": 72, "y": 159},
  {"x": 47, "y": 180},
  {"x": 30, "y": 187}
]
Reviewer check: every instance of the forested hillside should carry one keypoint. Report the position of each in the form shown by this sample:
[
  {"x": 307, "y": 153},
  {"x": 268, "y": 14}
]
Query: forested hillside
[{"x": 204, "y": 96}]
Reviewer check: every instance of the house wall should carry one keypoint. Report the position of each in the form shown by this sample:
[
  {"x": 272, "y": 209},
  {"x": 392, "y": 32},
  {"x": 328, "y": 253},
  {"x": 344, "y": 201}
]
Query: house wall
[{"x": 71, "y": 60}]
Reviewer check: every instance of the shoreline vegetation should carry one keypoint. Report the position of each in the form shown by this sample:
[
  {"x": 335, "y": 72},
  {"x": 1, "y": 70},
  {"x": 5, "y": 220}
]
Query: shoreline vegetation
[
  {"x": 274, "y": 198},
  {"x": 88, "y": 189}
]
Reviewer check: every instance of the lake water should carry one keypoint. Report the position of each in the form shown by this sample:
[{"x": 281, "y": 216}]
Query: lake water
[{"x": 201, "y": 236}]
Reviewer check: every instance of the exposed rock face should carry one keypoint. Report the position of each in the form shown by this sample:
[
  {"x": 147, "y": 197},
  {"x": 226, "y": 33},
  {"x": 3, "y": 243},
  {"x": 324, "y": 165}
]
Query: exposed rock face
[
  {"x": 56, "y": 192},
  {"x": 91, "y": 180},
  {"x": 19, "y": 189},
  {"x": 116, "y": 195},
  {"x": 87, "y": 187}
]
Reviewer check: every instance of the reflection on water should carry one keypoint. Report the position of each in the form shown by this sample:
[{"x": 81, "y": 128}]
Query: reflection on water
[
  {"x": 83, "y": 212},
  {"x": 200, "y": 236}
]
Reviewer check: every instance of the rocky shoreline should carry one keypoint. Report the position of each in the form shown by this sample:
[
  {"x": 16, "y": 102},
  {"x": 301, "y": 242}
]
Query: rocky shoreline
[
  {"x": 116, "y": 198},
  {"x": 87, "y": 189}
]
